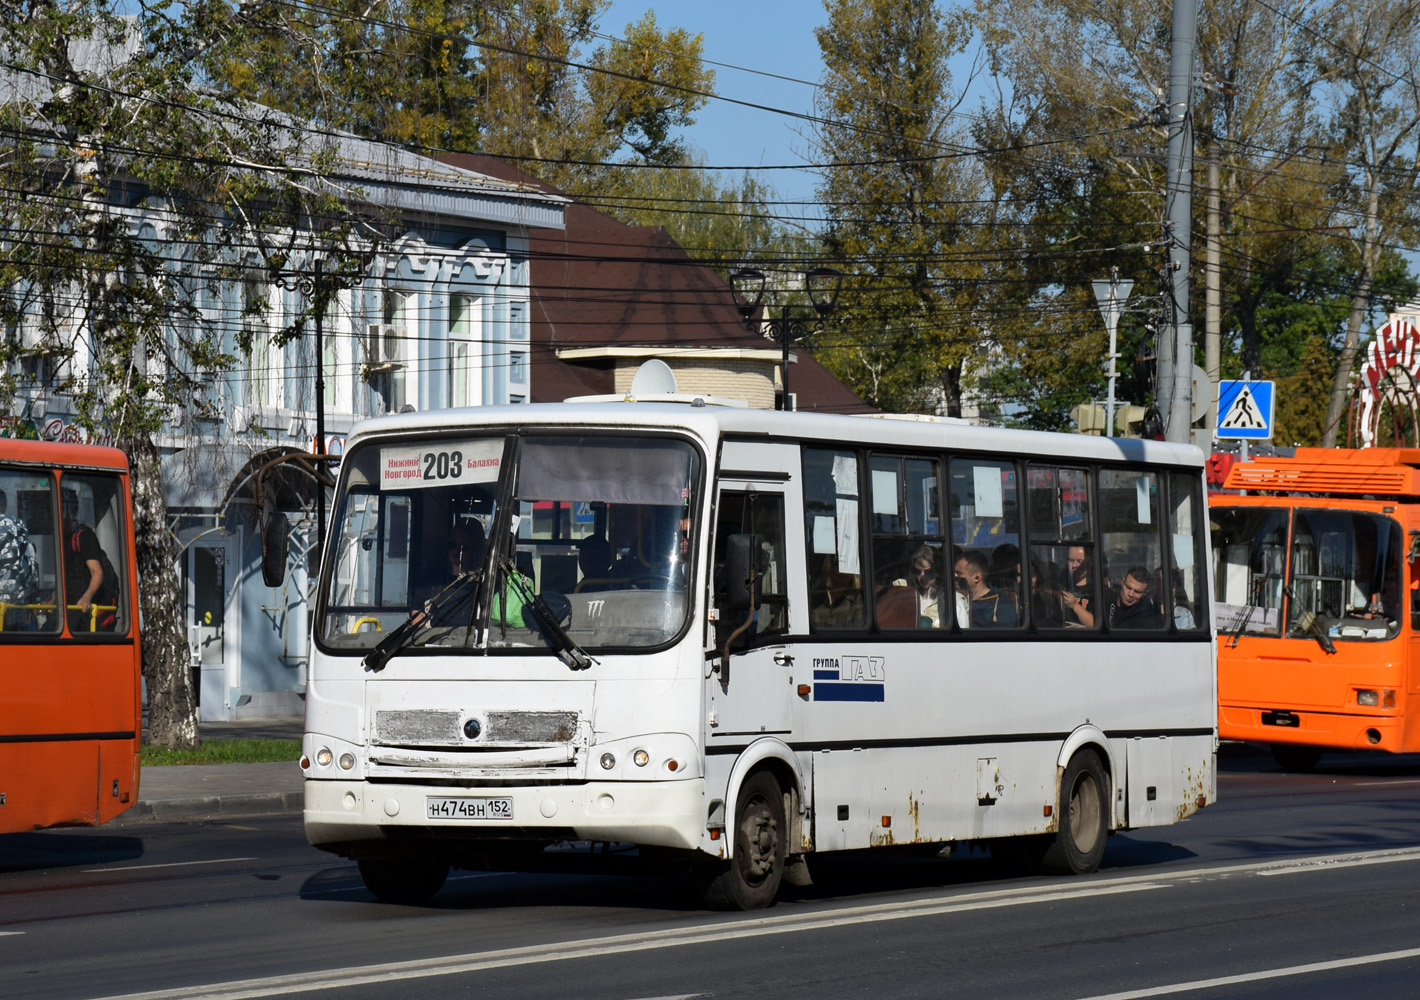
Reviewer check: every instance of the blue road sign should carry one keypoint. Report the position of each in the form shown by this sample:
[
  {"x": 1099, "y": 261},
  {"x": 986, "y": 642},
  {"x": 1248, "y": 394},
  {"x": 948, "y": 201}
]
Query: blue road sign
[{"x": 1245, "y": 409}]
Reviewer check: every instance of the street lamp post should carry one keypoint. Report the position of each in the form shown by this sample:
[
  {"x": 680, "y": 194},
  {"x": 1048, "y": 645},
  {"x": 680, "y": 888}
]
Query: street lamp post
[{"x": 822, "y": 284}]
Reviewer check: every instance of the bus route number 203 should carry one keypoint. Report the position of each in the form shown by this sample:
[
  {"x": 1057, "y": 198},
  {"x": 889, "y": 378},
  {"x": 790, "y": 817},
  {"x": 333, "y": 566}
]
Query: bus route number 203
[{"x": 442, "y": 465}]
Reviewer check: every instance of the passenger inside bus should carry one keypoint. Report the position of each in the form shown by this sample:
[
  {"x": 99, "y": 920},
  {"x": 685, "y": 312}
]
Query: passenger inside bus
[
  {"x": 990, "y": 608},
  {"x": 836, "y": 597},
  {"x": 89, "y": 577},
  {"x": 597, "y": 565},
  {"x": 19, "y": 567},
  {"x": 464, "y": 554},
  {"x": 1132, "y": 606}
]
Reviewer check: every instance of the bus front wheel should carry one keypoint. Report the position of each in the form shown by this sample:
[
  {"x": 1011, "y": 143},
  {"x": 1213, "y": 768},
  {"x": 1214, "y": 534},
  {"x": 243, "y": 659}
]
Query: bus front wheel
[
  {"x": 751, "y": 879},
  {"x": 406, "y": 882},
  {"x": 1078, "y": 843}
]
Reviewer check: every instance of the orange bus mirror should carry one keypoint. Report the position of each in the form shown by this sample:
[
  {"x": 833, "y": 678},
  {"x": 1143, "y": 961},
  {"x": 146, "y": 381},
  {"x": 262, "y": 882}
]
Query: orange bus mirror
[{"x": 275, "y": 541}]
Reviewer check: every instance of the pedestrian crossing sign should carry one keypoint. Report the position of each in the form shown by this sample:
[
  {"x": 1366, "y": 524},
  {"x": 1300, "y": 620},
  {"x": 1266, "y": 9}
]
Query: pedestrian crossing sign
[{"x": 1245, "y": 409}]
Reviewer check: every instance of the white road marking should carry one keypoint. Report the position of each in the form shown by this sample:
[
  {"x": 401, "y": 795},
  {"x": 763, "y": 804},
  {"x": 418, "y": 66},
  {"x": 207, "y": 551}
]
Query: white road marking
[
  {"x": 1388, "y": 784},
  {"x": 11, "y": 933},
  {"x": 784, "y": 921},
  {"x": 170, "y": 864},
  {"x": 758, "y": 927},
  {"x": 1252, "y": 977}
]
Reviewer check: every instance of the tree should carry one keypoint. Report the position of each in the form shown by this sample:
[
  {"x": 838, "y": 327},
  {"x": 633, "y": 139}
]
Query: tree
[
  {"x": 903, "y": 205},
  {"x": 124, "y": 186},
  {"x": 508, "y": 80},
  {"x": 1368, "y": 63}
]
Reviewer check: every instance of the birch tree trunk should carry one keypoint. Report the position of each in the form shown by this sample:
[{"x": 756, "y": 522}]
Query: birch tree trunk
[{"x": 167, "y": 671}]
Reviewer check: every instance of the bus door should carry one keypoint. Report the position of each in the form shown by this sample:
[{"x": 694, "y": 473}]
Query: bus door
[
  {"x": 209, "y": 583},
  {"x": 751, "y": 691}
]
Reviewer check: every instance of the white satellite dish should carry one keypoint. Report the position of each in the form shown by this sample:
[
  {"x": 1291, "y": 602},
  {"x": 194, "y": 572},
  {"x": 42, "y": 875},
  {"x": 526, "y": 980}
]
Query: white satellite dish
[{"x": 653, "y": 378}]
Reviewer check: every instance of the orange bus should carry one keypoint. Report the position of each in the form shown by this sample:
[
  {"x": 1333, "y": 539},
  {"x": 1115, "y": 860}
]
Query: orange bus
[
  {"x": 69, "y": 656},
  {"x": 1315, "y": 571}
]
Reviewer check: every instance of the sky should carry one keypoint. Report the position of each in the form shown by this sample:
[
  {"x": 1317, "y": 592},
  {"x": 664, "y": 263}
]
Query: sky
[{"x": 773, "y": 38}]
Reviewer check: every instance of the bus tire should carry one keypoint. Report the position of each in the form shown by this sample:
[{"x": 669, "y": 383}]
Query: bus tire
[
  {"x": 1078, "y": 843},
  {"x": 1292, "y": 757},
  {"x": 751, "y": 879},
  {"x": 407, "y": 882}
]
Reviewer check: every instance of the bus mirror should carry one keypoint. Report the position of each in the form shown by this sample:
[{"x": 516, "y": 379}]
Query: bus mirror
[
  {"x": 743, "y": 566},
  {"x": 275, "y": 540},
  {"x": 1414, "y": 545}
]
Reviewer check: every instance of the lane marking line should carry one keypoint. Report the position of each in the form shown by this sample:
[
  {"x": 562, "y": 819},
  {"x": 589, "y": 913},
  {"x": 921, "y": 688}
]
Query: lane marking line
[
  {"x": 170, "y": 864},
  {"x": 781, "y": 923},
  {"x": 1253, "y": 977},
  {"x": 344, "y": 978}
]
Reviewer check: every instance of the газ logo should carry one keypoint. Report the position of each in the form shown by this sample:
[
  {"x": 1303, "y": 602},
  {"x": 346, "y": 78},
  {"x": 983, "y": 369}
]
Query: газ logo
[{"x": 849, "y": 678}]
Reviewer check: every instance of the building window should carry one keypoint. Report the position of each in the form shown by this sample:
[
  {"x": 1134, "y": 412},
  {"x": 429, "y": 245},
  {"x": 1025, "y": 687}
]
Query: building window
[{"x": 465, "y": 367}]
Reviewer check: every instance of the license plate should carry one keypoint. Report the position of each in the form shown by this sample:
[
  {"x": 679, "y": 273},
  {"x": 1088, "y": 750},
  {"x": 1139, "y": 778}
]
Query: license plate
[{"x": 469, "y": 808}]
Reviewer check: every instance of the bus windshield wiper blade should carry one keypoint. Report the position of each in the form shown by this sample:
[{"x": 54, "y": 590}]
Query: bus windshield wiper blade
[
  {"x": 562, "y": 644},
  {"x": 418, "y": 619},
  {"x": 1307, "y": 622}
]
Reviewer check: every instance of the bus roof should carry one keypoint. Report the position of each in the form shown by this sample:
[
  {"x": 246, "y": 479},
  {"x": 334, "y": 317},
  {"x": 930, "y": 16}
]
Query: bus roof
[
  {"x": 713, "y": 422},
  {"x": 62, "y": 453},
  {"x": 1350, "y": 471}
]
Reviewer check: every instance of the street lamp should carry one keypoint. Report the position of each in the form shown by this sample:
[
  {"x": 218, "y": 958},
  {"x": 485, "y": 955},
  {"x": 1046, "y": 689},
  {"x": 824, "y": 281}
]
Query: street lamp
[{"x": 822, "y": 284}]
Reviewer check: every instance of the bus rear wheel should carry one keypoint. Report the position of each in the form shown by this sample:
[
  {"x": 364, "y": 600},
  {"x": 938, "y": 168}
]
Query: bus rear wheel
[
  {"x": 408, "y": 882},
  {"x": 1291, "y": 757},
  {"x": 1078, "y": 843},
  {"x": 751, "y": 879}
]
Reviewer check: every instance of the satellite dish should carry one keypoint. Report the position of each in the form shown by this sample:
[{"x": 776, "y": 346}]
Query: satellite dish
[{"x": 653, "y": 378}]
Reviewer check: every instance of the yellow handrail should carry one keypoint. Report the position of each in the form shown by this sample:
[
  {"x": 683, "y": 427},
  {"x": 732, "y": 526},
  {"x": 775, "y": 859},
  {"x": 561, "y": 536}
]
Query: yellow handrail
[{"x": 368, "y": 619}]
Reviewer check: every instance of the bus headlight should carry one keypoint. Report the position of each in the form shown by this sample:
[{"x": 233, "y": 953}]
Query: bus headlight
[
  {"x": 347, "y": 761},
  {"x": 608, "y": 761},
  {"x": 324, "y": 756},
  {"x": 641, "y": 757},
  {"x": 1366, "y": 696}
]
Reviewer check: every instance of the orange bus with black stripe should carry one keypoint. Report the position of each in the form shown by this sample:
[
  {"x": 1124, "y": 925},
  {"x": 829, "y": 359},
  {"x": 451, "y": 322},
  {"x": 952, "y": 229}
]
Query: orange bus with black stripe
[{"x": 70, "y": 711}]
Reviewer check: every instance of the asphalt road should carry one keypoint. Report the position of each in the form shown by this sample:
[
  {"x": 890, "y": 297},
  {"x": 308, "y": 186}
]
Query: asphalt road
[{"x": 1293, "y": 885}]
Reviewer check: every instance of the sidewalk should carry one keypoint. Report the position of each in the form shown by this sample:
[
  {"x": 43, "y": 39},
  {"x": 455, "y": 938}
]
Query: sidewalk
[{"x": 220, "y": 791}]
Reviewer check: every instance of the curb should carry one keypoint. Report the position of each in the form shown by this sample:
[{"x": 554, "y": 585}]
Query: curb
[{"x": 213, "y": 807}]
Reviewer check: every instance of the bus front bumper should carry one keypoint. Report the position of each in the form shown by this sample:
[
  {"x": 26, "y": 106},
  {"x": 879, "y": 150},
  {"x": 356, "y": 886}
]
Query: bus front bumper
[
  {"x": 1338, "y": 730},
  {"x": 653, "y": 813}
]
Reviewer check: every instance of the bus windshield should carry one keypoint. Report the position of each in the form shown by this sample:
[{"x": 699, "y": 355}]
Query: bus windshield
[
  {"x": 597, "y": 525},
  {"x": 1327, "y": 573}
]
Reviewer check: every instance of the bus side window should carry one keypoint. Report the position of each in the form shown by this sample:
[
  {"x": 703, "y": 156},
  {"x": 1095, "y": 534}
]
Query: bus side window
[
  {"x": 1132, "y": 529},
  {"x": 832, "y": 534}
]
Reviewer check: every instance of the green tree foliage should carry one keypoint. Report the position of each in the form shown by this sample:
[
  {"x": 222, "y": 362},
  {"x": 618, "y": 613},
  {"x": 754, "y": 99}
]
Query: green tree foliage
[
  {"x": 512, "y": 80},
  {"x": 904, "y": 203},
  {"x": 121, "y": 182}
]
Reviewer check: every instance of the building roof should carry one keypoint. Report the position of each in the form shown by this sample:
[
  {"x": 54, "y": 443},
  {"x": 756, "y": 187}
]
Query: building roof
[{"x": 600, "y": 283}]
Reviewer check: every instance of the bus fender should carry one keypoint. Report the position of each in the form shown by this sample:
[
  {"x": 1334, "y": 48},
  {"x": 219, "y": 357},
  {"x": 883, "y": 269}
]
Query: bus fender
[
  {"x": 1091, "y": 736},
  {"x": 782, "y": 761}
]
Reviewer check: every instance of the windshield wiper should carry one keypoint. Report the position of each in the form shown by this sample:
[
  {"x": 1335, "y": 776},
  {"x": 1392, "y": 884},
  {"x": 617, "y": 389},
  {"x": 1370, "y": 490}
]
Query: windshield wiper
[
  {"x": 1252, "y": 606},
  {"x": 562, "y": 644},
  {"x": 1307, "y": 622},
  {"x": 418, "y": 619}
]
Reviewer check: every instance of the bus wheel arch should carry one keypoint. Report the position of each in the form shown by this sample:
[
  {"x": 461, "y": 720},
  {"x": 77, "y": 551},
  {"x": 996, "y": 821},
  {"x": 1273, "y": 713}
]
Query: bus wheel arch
[
  {"x": 1089, "y": 737},
  {"x": 774, "y": 756}
]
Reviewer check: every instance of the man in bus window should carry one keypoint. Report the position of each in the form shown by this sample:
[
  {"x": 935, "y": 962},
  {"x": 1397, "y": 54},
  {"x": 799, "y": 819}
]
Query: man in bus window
[
  {"x": 19, "y": 566},
  {"x": 1132, "y": 606},
  {"x": 89, "y": 578},
  {"x": 990, "y": 608}
]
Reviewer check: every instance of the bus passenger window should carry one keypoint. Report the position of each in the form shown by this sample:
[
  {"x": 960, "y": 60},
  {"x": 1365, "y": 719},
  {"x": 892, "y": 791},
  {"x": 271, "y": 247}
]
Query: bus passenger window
[
  {"x": 986, "y": 532},
  {"x": 1132, "y": 531},
  {"x": 831, "y": 527}
]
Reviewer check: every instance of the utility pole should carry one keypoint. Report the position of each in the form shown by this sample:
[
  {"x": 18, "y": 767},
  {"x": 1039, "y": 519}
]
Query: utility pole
[
  {"x": 1213, "y": 292},
  {"x": 1174, "y": 389}
]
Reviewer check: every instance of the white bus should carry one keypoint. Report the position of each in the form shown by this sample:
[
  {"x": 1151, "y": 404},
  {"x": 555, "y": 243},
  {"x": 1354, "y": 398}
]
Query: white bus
[{"x": 712, "y": 632}]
